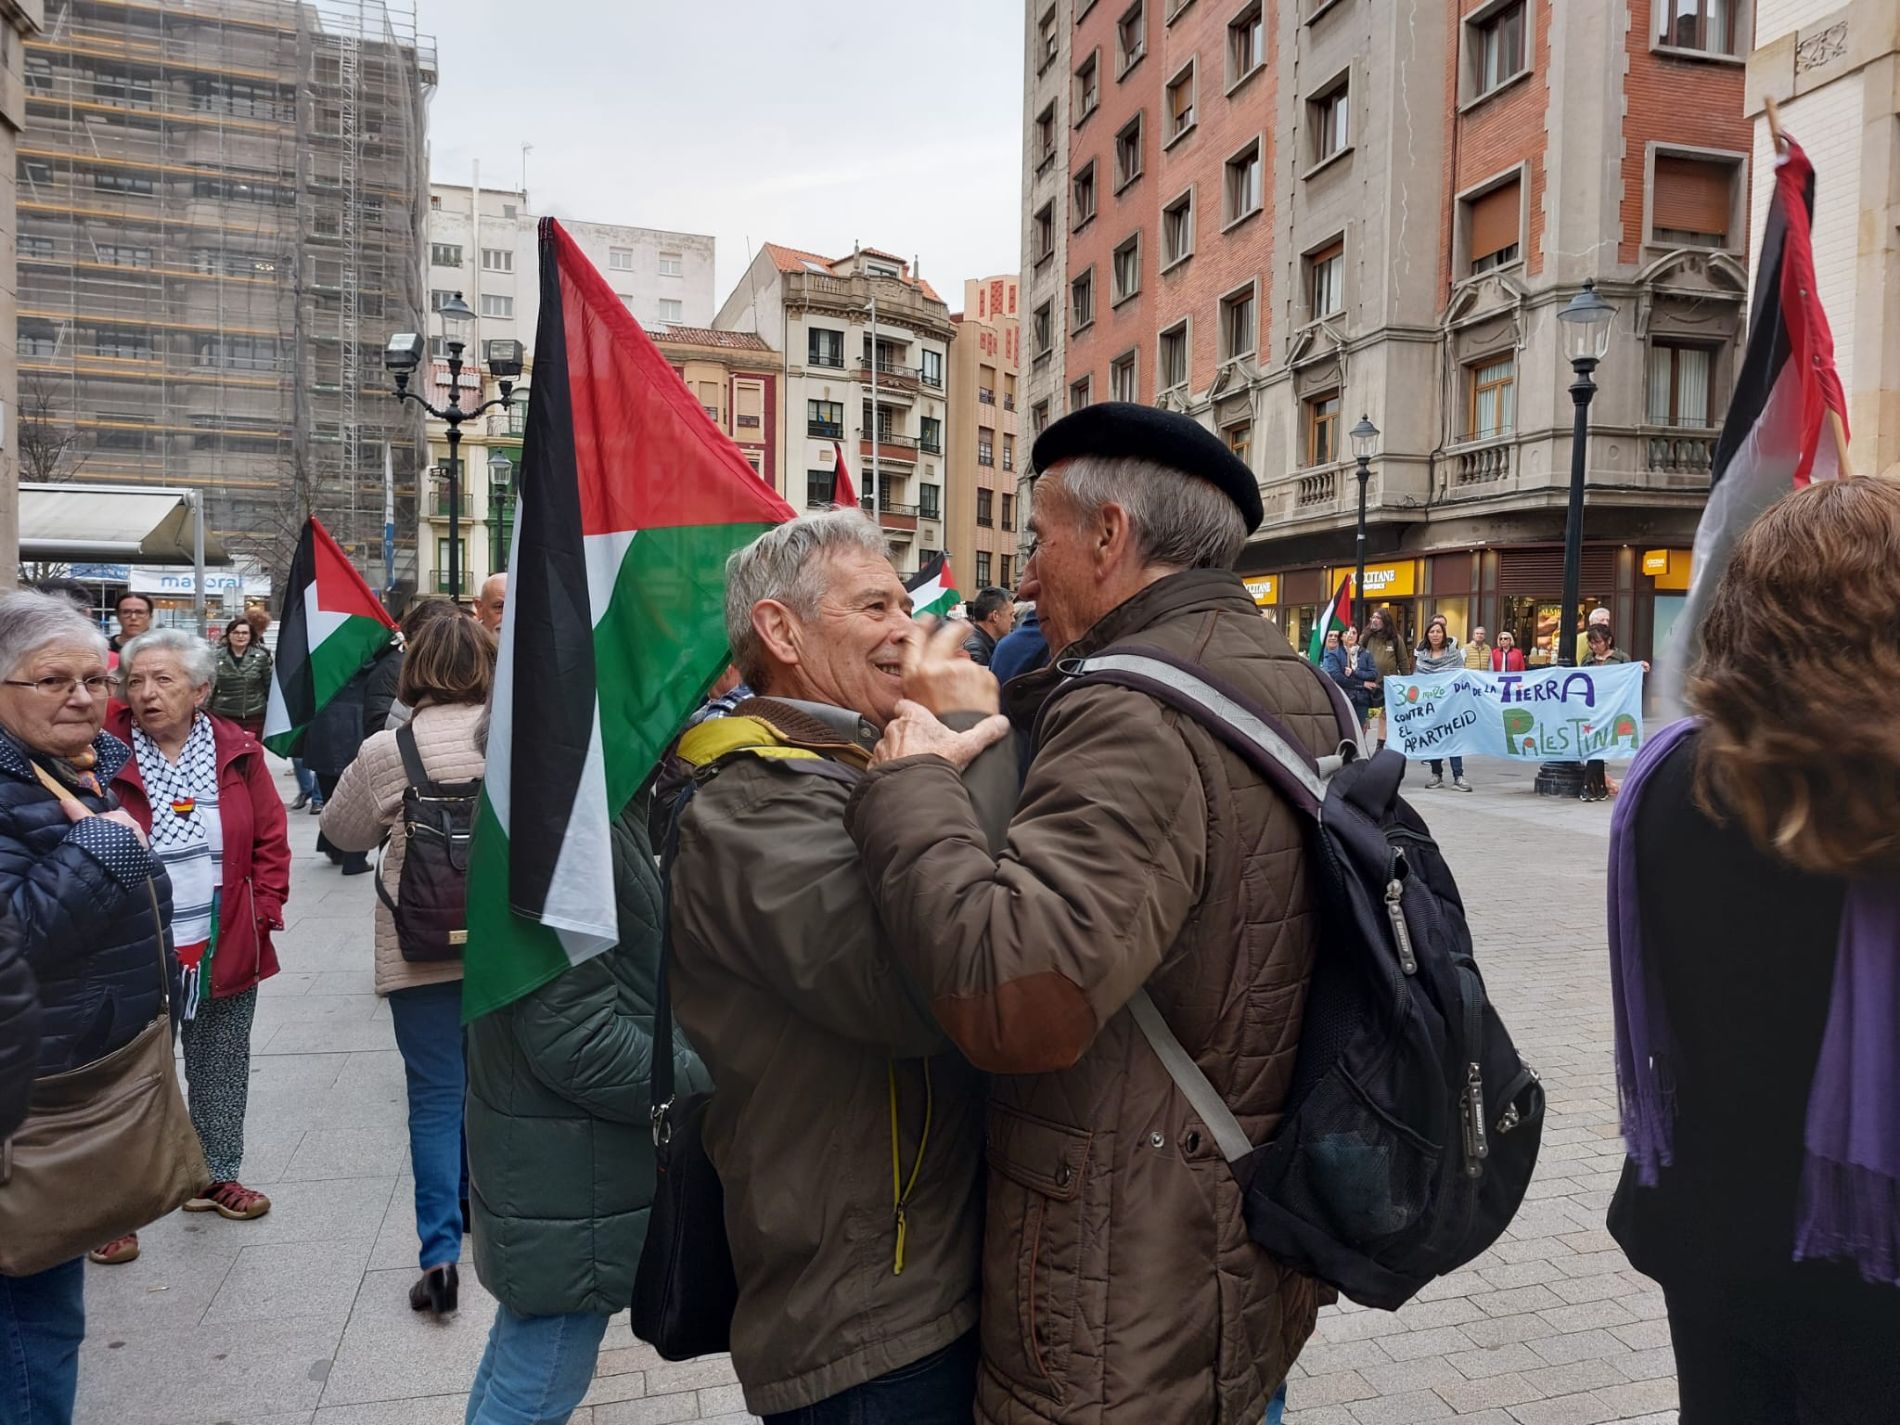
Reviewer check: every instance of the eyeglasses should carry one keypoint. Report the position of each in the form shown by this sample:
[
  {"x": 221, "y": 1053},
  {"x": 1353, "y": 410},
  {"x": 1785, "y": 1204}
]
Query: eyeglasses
[{"x": 99, "y": 685}]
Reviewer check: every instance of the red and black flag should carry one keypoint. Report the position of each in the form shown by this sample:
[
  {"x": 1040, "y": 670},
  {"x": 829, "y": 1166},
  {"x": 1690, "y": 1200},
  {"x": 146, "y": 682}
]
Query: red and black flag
[
  {"x": 843, "y": 493},
  {"x": 1774, "y": 438}
]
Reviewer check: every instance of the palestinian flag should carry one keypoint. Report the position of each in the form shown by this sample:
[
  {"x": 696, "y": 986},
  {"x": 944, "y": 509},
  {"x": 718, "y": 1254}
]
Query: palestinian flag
[
  {"x": 331, "y": 624},
  {"x": 1774, "y": 439},
  {"x": 933, "y": 589},
  {"x": 1338, "y": 618},
  {"x": 631, "y": 501},
  {"x": 843, "y": 493}
]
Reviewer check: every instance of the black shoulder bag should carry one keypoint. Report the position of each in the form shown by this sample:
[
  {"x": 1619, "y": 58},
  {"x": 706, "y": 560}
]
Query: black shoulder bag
[{"x": 430, "y": 907}]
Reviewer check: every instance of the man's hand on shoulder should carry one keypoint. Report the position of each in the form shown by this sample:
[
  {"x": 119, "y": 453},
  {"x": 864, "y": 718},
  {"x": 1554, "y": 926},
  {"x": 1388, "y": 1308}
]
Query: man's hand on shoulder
[
  {"x": 915, "y": 731},
  {"x": 941, "y": 676}
]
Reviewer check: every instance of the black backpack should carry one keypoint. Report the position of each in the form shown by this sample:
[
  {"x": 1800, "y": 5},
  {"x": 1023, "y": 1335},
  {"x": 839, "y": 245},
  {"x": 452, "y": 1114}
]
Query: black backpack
[
  {"x": 431, "y": 904},
  {"x": 1412, "y": 1125}
]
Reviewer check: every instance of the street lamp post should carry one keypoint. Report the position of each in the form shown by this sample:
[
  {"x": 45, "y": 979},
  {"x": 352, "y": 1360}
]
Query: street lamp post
[
  {"x": 1585, "y": 324},
  {"x": 501, "y": 479},
  {"x": 1365, "y": 440},
  {"x": 404, "y": 354}
]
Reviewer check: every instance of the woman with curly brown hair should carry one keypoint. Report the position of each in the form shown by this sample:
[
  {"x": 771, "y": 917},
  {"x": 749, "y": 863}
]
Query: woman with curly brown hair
[{"x": 1755, "y": 949}]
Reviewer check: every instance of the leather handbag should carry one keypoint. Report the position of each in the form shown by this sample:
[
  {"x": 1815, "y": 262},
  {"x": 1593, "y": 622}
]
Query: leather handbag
[
  {"x": 106, "y": 1148},
  {"x": 684, "y": 1290}
]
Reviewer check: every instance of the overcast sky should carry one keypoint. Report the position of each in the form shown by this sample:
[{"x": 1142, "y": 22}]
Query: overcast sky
[{"x": 898, "y": 125}]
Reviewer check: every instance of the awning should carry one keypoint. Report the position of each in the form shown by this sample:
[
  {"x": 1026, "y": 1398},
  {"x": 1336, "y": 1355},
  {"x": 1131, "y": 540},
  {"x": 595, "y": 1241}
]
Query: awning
[{"x": 135, "y": 524}]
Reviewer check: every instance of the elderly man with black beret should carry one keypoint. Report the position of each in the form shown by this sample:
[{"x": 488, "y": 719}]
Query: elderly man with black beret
[{"x": 1119, "y": 1282}]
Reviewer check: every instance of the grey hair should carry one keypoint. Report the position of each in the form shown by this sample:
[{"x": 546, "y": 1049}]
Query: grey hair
[
  {"x": 781, "y": 564},
  {"x": 1179, "y": 521},
  {"x": 30, "y": 620},
  {"x": 197, "y": 656}
]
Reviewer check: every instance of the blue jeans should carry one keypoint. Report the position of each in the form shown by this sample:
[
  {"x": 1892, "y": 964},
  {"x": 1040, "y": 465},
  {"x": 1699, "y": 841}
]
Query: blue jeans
[
  {"x": 42, "y": 1322},
  {"x": 1437, "y": 765},
  {"x": 429, "y": 1034},
  {"x": 306, "y": 781},
  {"x": 536, "y": 1368},
  {"x": 938, "y": 1390},
  {"x": 1276, "y": 1408}
]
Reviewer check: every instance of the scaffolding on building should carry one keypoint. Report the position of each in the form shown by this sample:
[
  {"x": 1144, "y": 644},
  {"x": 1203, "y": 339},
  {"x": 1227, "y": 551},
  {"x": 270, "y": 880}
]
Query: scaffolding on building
[{"x": 221, "y": 214}]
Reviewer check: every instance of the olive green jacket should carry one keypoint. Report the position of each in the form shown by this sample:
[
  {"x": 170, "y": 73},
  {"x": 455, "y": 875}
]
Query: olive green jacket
[
  {"x": 242, "y": 685},
  {"x": 560, "y": 1145}
]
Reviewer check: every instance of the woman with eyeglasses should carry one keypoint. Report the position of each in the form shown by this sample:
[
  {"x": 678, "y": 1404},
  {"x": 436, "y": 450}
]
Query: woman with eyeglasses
[{"x": 90, "y": 901}]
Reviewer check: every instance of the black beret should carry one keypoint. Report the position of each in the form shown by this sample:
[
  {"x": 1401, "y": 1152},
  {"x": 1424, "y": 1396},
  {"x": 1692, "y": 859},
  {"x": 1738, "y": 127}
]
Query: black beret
[{"x": 1122, "y": 428}]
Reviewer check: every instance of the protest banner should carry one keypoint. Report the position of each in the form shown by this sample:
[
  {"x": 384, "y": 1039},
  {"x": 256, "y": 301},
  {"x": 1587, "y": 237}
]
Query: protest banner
[{"x": 1556, "y": 714}]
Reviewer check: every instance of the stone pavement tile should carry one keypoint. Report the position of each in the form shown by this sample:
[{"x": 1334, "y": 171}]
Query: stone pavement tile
[
  {"x": 1406, "y": 1409},
  {"x": 722, "y": 1400},
  {"x": 655, "y": 1410},
  {"x": 1424, "y": 1373},
  {"x": 1533, "y": 1249},
  {"x": 1496, "y": 1360},
  {"x": 183, "y": 1375},
  {"x": 170, "y": 1285},
  {"x": 1585, "y": 1315},
  {"x": 1518, "y": 1299},
  {"x": 1580, "y": 1376},
  {"x": 1641, "y": 1397},
  {"x": 740, "y": 1418},
  {"x": 1502, "y": 1330},
  {"x": 1452, "y": 1311},
  {"x": 1339, "y": 1388},
  {"x": 1492, "y": 1392},
  {"x": 619, "y": 1360},
  {"x": 389, "y": 1352},
  {"x": 287, "y": 1280},
  {"x": 1439, "y": 1341},
  {"x": 327, "y": 1154},
  {"x": 1321, "y": 1415},
  {"x": 434, "y": 1410},
  {"x": 396, "y": 1244},
  {"x": 1319, "y": 1358},
  {"x": 1584, "y": 1409},
  {"x": 1653, "y": 1364},
  {"x": 689, "y": 1375},
  {"x": 1536, "y": 1271},
  {"x": 296, "y": 1417},
  {"x": 1609, "y": 1286},
  {"x": 1337, "y": 1326},
  {"x": 1578, "y": 1346},
  {"x": 336, "y": 1211},
  {"x": 628, "y": 1385},
  {"x": 368, "y": 1031}
]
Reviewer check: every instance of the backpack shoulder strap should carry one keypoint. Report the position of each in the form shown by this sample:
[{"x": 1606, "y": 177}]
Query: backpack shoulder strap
[
  {"x": 412, "y": 767},
  {"x": 1195, "y": 1087}
]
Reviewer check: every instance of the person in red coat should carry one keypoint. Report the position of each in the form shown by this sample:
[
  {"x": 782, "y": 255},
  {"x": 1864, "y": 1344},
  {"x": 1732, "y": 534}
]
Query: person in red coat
[
  {"x": 200, "y": 787},
  {"x": 1507, "y": 657}
]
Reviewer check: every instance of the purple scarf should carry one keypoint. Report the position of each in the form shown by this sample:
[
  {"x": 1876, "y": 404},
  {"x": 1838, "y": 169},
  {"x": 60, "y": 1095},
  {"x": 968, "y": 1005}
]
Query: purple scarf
[{"x": 1850, "y": 1180}]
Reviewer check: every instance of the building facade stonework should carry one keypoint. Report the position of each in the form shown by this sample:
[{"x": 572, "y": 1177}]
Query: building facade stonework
[{"x": 987, "y": 456}]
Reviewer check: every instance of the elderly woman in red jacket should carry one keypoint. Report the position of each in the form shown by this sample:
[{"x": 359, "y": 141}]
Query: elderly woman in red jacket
[{"x": 200, "y": 787}]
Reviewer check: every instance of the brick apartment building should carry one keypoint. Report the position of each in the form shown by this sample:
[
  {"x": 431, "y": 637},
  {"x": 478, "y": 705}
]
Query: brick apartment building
[
  {"x": 1281, "y": 215},
  {"x": 986, "y": 457}
]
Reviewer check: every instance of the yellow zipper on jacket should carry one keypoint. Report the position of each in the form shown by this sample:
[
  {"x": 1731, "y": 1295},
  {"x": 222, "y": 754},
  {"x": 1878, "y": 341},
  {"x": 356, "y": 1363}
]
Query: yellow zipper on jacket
[{"x": 901, "y": 1190}]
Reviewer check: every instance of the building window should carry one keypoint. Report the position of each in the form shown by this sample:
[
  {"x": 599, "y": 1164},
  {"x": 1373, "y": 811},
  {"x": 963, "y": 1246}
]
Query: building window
[
  {"x": 1493, "y": 220},
  {"x": 1181, "y": 102},
  {"x": 140, "y": 183},
  {"x": 1045, "y": 135},
  {"x": 1046, "y": 40},
  {"x": 508, "y": 210},
  {"x": 1038, "y": 413},
  {"x": 930, "y": 501},
  {"x": 114, "y": 254},
  {"x": 1121, "y": 378},
  {"x": 1084, "y": 197},
  {"x": 1079, "y": 394},
  {"x": 825, "y": 419},
  {"x": 495, "y": 305},
  {"x": 1127, "y": 269},
  {"x": 672, "y": 264},
  {"x": 982, "y": 566},
  {"x": 1042, "y": 329},
  {"x": 1496, "y": 46},
  {"x": 1088, "y": 88},
  {"x": 1128, "y": 153},
  {"x": 1243, "y": 184},
  {"x": 1679, "y": 385},
  {"x": 37, "y": 246},
  {"x": 1331, "y": 118},
  {"x": 1045, "y": 232},
  {"x": 1009, "y": 392},
  {"x": 620, "y": 259},
  {"x": 1082, "y": 301},
  {"x": 1171, "y": 370},
  {"x": 985, "y": 514},
  {"x": 1691, "y": 201},
  {"x": 1493, "y": 409},
  {"x": 1239, "y": 438},
  {"x": 1246, "y": 43},
  {"x": 820, "y": 486},
  {"x": 1237, "y": 332},
  {"x": 438, "y": 296},
  {"x": 671, "y": 310},
  {"x": 930, "y": 434},
  {"x": 445, "y": 254},
  {"x": 1009, "y": 502},
  {"x": 824, "y": 347},
  {"x": 1177, "y": 230},
  {"x": 442, "y": 562},
  {"x": 1003, "y": 561},
  {"x": 1322, "y": 429},
  {"x": 985, "y": 447},
  {"x": 1328, "y": 268},
  {"x": 750, "y": 411},
  {"x": 498, "y": 259},
  {"x": 931, "y": 372},
  {"x": 1706, "y": 25},
  {"x": 1131, "y": 37}
]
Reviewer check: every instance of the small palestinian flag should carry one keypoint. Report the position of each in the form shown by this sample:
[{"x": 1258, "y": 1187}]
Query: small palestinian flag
[
  {"x": 331, "y": 625},
  {"x": 933, "y": 589},
  {"x": 843, "y": 493},
  {"x": 1338, "y": 617},
  {"x": 631, "y": 501}
]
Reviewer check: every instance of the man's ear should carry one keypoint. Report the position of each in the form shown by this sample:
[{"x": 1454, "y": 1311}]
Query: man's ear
[
  {"x": 1112, "y": 534},
  {"x": 778, "y": 629}
]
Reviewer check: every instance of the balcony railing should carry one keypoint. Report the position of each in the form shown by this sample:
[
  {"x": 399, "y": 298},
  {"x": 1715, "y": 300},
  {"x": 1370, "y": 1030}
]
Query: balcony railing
[
  {"x": 930, "y": 444},
  {"x": 985, "y": 396},
  {"x": 1483, "y": 462},
  {"x": 1681, "y": 451},
  {"x": 829, "y": 359},
  {"x": 891, "y": 373},
  {"x": 892, "y": 515},
  {"x": 1009, "y": 402},
  {"x": 1317, "y": 491},
  {"x": 513, "y": 421},
  {"x": 439, "y": 502},
  {"x": 891, "y": 447},
  {"x": 825, "y": 430},
  {"x": 442, "y": 585}
]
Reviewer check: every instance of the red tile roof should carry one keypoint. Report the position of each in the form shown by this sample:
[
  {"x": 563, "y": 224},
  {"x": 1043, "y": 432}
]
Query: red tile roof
[
  {"x": 792, "y": 259},
  {"x": 706, "y": 336}
]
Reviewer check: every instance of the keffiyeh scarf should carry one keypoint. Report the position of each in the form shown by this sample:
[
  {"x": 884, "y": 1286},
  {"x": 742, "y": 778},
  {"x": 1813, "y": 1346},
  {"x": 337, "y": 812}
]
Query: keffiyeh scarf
[{"x": 188, "y": 840}]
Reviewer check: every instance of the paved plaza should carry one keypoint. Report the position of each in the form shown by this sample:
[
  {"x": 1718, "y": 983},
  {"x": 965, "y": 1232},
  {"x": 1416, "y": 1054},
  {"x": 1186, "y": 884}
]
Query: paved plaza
[{"x": 302, "y": 1317}]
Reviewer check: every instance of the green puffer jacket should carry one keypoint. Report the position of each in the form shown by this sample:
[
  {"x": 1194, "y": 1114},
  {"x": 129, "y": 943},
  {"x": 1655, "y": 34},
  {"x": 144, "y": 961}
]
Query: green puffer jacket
[
  {"x": 242, "y": 687},
  {"x": 560, "y": 1146}
]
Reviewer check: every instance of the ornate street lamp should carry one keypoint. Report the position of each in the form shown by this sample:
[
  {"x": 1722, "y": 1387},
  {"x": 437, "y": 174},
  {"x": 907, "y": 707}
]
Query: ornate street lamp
[
  {"x": 1365, "y": 442},
  {"x": 404, "y": 354},
  {"x": 1585, "y": 327},
  {"x": 501, "y": 491}
]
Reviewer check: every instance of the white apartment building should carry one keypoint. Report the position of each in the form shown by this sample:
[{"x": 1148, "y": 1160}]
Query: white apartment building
[{"x": 482, "y": 244}]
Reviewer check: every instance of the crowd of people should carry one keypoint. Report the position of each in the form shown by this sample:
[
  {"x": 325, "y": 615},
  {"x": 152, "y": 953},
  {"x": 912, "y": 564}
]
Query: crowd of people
[{"x": 918, "y": 904}]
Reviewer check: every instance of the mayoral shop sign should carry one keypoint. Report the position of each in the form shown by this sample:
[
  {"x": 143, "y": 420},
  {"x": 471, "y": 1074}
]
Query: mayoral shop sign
[{"x": 1558, "y": 714}]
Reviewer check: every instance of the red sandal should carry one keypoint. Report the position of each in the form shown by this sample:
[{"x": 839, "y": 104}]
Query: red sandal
[
  {"x": 232, "y": 1200},
  {"x": 117, "y": 1252}
]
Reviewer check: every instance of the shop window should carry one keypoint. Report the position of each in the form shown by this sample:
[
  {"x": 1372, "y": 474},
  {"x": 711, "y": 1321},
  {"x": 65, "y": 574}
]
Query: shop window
[
  {"x": 1492, "y": 409},
  {"x": 1679, "y": 380}
]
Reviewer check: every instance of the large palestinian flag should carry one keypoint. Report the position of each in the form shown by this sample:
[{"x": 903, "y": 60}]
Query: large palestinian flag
[
  {"x": 933, "y": 588},
  {"x": 1337, "y": 618},
  {"x": 631, "y": 501},
  {"x": 331, "y": 624},
  {"x": 1774, "y": 438}
]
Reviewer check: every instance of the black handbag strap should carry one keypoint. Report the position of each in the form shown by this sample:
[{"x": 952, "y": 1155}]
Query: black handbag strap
[{"x": 412, "y": 767}]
